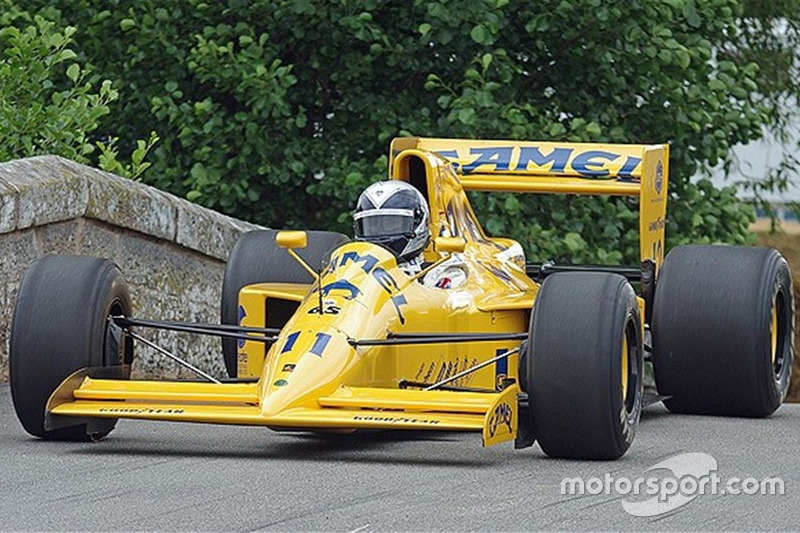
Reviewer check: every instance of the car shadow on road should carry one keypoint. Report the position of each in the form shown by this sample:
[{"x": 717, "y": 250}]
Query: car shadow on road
[{"x": 421, "y": 448}]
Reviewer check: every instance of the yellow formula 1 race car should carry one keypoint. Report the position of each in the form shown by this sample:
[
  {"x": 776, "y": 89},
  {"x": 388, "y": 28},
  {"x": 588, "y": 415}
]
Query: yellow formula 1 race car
[{"x": 326, "y": 334}]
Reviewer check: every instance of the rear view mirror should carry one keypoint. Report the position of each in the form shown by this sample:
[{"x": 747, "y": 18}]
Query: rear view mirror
[
  {"x": 291, "y": 239},
  {"x": 295, "y": 239}
]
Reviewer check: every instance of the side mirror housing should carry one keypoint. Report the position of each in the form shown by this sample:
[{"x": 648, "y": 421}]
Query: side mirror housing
[
  {"x": 295, "y": 239},
  {"x": 291, "y": 239},
  {"x": 449, "y": 244}
]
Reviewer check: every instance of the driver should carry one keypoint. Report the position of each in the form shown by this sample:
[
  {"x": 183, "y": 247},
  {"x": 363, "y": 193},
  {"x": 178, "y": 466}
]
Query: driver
[{"x": 395, "y": 215}]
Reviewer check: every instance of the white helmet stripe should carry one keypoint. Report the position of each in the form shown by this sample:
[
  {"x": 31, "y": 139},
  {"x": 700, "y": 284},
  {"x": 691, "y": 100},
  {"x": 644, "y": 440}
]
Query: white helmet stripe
[{"x": 379, "y": 212}]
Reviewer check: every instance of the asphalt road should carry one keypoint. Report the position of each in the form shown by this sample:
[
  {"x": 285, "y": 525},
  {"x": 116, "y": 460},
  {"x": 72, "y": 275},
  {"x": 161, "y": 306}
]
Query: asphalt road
[{"x": 163, "y": 476}]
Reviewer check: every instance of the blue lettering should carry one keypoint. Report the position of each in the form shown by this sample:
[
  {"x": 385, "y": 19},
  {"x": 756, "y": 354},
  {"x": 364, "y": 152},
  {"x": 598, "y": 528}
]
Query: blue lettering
[
  {"x": 399, "y": 300},
  {"x": 368, "y": 261},
  {"x": 385, "y": 280},
  {"x": 500, "y": 158},
  {"x": 587, "y": 163},
  {"x": 320, "y": 344},
  {"x": 341, "y": 285},
  {"x": 290, "y": 340},
  {"x": 531, "y": 154},
  {"x": 368, "y": 265},
  {"x": 630, "y": 165},
  {"x": 452, "y": 156}
]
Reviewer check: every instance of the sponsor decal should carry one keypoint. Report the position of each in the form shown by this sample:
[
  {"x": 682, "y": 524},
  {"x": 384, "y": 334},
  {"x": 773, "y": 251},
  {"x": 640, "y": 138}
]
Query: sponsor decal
[
  {"x": 290, "y": 340},
  {"x": 500, "y": 368},
  {"x": 368, "y": 264},
  {"x": 140, "y": 411},
  {"x": 288, "y": 368},
  {"x": 444, "y": 283},
  {"x": 398, "y": 300},
  {"x": 320, "y": 343},
  {"x": 242, "y": 313},
  {"x": 656, "y": 225},
  {"x": 658, "y": 183},
  {"x": 598, "y": 164},
  {"x": 329, "y": 307},
  {"x": 341, "y": 285},
  {"x": 446, "y": 369},
  {"x": 395, "y": 419},
  {"x": 367, "y": 261},
  {"x": 500, "y": 417},
  {"x": 427, "y": 375}
]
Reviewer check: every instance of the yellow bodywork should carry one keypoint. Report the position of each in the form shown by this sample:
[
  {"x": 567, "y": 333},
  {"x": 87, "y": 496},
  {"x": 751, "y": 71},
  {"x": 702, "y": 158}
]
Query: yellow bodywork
[{"x": 313, "y": 377}]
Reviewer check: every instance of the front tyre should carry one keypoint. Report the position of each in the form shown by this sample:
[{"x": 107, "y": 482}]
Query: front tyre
[
  {"x": 60, "y": 325},
  {"x": 585, "y": 365},
  {"x": 723, "y": 330}
]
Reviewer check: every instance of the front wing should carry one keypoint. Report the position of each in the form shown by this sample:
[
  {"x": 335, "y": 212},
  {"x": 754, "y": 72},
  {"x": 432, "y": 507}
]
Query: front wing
[{"x": 348, "y": 408}]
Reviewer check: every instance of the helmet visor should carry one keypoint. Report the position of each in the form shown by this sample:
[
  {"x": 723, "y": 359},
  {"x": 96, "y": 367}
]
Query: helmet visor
[{"x": 384, "y": 223}]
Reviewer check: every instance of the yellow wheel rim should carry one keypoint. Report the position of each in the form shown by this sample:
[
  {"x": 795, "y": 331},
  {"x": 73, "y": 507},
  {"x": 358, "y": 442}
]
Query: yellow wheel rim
[
  {"x": 774, "y": 333},
  {"x": 624, "y": 366}
]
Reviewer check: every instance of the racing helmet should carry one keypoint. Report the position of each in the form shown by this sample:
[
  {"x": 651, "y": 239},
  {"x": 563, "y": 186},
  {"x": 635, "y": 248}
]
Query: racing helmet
[{"x": 395, "y": 215}]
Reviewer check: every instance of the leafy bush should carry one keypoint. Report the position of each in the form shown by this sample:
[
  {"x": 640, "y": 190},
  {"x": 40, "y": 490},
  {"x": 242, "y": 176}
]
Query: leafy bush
[{"x": 47, "y": 106}]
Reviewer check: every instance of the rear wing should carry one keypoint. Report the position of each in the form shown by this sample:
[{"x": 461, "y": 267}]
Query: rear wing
[{"x": 571, "y": 168}]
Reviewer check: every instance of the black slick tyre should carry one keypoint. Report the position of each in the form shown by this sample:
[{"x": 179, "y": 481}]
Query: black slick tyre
[
  {"x": 723, "y": 330},
  {"x": 60, "y": 325},
  {"x": 585, "y": 366},
  {"x": 256, "y": 258}
]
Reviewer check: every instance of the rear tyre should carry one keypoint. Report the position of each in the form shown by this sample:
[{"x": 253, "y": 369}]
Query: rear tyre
[
  {"x": 60, "y": 325},
  {"x": 585, "y": 365},
  {"x": 257, "y": 259},
  {"x": 723, "y": 330}
]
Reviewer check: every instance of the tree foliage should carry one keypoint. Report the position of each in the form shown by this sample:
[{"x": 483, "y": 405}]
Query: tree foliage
[
  {"x": 281, "y": 111},
  {"x": 46, "y": 103},
  {"x": 37, "y": 116},
  {"x": 770, "y": 33}
]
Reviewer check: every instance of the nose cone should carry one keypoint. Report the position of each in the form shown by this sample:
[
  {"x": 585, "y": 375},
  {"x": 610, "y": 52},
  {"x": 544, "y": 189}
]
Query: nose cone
[
  {"x": 312, "y": 356},
  {"x": 309, "y": 363}
]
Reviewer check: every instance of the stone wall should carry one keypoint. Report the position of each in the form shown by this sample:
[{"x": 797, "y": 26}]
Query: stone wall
[{"x": 171, "y": 251}]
